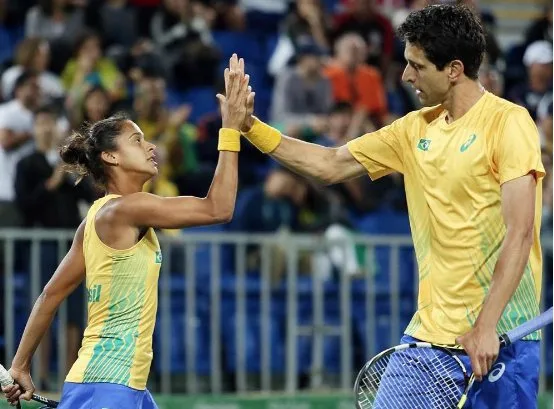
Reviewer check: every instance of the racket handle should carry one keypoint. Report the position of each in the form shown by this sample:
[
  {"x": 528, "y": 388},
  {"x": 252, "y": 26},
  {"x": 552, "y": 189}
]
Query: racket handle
[
  {"x": 7, "y": 380},
  {"x": 5, "y": 377},
  {"x": 527, "y": 328}
]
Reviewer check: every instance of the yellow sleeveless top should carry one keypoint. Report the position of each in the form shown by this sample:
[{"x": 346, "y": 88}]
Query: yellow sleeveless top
[{"x": 122, "y": 287}]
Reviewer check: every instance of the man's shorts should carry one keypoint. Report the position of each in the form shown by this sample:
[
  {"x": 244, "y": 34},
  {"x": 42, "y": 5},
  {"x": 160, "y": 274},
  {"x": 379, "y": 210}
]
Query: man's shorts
[
  {"x": 104, "y": 396},
  {"x": 512, "y": 382}
]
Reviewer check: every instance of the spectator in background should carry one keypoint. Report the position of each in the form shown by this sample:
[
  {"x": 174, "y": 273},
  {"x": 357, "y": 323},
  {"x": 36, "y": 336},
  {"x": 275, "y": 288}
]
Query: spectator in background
[
  {"x": 360, "y": 195},
  {"x": 59, "y": 22},
  {"x": 94, "y": 106},
  {"x": 16, "y": 141},
  {"x": 145, "y": 10},
  {"x": 115, "y": 19},
  {"x": 362, "y": 17},
  {"x": 32, "y": 54},
  {"x": 302, "y": 96},
  {"x": 307, "y": 20},
  {"x": 491, "y": 78},
  {"x": 184, "y": 39},
  {"x": 54, "y": 19},
  {"x": 544, "y": 122},
  {"x": 541, "y": 29},
  {"x": 89, "y": 67},
  {"x": 45, "y": 194},
  {"x": 222, "y": 14},
  {"x": 354, "y": 81},
  {"x": 538, "y": 61}
]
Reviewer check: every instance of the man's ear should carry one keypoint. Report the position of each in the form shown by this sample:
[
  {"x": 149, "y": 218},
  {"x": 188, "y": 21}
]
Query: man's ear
[{"x": 455, "y": 70}]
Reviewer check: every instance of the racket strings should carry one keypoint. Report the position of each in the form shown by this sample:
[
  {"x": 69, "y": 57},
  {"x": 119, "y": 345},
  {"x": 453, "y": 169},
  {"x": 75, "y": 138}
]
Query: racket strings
[{"x": 415, "y": 378}]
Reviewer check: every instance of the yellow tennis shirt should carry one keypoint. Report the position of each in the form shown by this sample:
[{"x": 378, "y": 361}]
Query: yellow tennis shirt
[
  {"x": 122, "y": 287},
  {"x": 453, "y": 174}
]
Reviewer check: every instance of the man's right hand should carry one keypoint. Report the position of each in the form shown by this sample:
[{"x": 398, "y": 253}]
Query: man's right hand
[
  {"x": 23, "y": 388},
  {"x": 237, "y": 92}
]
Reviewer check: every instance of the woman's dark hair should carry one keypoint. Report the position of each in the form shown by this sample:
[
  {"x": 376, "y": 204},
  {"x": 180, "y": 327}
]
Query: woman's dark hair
[
  {"x": 47, "y": 7},
  {"x": 446, "y": 33},
  {"x": 82, "y": 151},
  {"x": 82, "y": 38}
]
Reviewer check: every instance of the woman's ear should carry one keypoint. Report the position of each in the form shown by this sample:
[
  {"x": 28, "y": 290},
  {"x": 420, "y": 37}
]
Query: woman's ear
[{"x": 110, "y": 158}]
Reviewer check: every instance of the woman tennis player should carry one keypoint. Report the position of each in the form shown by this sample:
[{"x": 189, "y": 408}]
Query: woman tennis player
[{"x": 116, "y": 250}]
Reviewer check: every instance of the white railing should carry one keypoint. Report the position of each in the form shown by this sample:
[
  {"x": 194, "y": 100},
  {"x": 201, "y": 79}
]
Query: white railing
[{"x": 213, "y": 309}]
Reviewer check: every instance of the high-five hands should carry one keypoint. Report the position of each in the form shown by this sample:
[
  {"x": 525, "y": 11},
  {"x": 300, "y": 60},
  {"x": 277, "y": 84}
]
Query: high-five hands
[{"x": 238, "y": 101}]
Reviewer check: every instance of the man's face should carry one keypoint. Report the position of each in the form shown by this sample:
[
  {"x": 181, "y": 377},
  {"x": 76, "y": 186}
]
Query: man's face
[
  {"x": 431, "y": 85},
  {"x": 152, "y": 95},
  {"x": 339, "y": 122},
  {"x": 311, "y": 63},
  {"x": 351, "y": 50},
  {"x": 29, "y": 92},
  {"x": 45, "y": 129},
  {"x": 540, "y": 77}
]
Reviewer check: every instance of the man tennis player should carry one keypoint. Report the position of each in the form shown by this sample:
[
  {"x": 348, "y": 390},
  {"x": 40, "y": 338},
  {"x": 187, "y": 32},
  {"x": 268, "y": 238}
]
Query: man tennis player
[{"x": 472, "y": 168}]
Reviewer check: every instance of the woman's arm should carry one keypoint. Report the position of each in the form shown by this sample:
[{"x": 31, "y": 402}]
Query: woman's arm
[
  {"x": 147, "y": 210},
  {"x": 69, "y": 274}
]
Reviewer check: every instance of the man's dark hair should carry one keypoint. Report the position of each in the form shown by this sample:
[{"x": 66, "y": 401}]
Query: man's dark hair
[
  {"x": 22, "y": 79},
  {"x": 47, "y": 109},
  {"x": 340, "y": 107},
  {"x": 446, "y": 33}
]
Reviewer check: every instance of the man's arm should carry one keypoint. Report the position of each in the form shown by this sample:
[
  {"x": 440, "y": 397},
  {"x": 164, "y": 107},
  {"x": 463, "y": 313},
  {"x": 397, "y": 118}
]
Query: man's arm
[
  {"x": 10, "y": 140},
  {"x": 325, "y": 165},
  {"x": 518, "y": 209}
]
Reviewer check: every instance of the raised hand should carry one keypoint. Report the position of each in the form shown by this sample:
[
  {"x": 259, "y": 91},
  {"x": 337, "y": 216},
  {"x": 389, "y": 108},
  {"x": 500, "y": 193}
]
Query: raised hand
[{"x": 237, "y": 94}]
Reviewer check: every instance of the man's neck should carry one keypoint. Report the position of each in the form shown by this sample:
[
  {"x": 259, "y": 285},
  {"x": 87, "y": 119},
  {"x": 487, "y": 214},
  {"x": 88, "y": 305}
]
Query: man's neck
[
  {"x": 44, "y": 149},
  {"x": 462, "y": 98},
  {"x": 24, "y": 105},
  {"x": 309, "y": 76}
]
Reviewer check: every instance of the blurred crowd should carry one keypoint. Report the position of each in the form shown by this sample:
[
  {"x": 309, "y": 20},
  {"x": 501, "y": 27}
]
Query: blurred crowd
[{"x": 325, "y": 71}]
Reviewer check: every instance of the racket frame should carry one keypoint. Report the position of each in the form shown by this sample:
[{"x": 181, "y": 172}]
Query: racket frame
[{"x": 468, "y": 380}]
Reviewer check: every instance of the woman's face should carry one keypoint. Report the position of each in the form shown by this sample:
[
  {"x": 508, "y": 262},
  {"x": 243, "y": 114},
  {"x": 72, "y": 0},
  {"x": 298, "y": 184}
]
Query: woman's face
[
  {"x": 91, "y": 49},
  {"x": 134, "y": 154},
  {"x": 42, "y": 58},
  {"x": 176, "y": 7},
  {"x": 97, "y": 106}
]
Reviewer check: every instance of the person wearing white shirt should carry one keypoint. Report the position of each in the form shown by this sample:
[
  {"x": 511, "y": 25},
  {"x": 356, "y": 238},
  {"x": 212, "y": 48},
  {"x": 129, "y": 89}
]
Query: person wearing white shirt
[
  {"x": 16, "y": 127},
  {"x": 32, "y": 54}
]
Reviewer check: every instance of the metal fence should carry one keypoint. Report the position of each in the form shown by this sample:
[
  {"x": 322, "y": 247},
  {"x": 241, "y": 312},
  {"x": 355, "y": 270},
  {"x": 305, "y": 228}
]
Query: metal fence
[{"x": 242, "y": 312}]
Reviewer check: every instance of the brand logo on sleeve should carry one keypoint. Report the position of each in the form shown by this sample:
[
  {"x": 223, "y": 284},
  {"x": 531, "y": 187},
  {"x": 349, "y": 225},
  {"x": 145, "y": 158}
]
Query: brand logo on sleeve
[{"x": 158, "y": 257}]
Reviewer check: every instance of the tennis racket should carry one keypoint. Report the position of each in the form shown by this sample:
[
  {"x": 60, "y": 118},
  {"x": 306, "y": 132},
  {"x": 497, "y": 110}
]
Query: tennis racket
[
  {"x": 422, "y": 375},
  {"x": 6, "y": 380}
]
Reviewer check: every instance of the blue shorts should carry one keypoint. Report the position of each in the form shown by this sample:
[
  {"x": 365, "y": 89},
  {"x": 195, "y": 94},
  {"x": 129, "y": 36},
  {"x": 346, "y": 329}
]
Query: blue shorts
[
  {"x": 104, "y": 396},
  {"x": 512, "y": 383}
]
